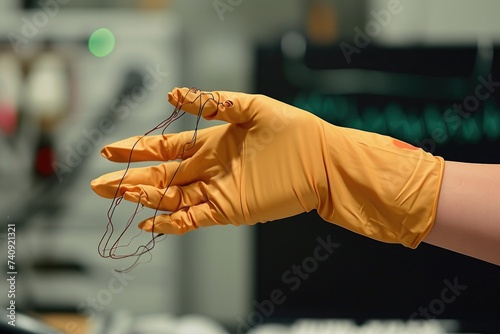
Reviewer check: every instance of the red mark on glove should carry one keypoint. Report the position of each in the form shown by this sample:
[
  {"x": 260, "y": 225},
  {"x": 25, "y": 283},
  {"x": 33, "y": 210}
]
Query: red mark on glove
[{"x": 402, "y": 144}]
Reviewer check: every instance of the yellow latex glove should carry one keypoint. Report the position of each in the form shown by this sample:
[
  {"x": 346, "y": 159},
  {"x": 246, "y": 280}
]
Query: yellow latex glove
[{"x": 271, "y": 161}]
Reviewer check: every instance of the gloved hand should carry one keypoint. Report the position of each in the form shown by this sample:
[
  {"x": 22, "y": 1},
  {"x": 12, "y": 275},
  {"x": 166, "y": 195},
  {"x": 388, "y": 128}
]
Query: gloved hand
[{"x": 271, "y": 161}]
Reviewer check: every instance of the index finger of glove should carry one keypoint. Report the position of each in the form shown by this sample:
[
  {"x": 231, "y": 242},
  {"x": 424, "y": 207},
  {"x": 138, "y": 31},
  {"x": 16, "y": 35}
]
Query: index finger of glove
[
  {"x": 153, "y": 148},
  {"x": 115, "y": 183},
  {"x": 232, "y": 107}
]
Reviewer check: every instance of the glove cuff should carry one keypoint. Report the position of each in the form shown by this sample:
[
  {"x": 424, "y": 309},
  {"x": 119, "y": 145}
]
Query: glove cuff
[{"x": 379, "y": 186}]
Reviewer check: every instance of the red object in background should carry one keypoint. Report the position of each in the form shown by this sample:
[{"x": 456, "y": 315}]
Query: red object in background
[
  {"x": 8, "y": 118},
  {"x": 44, "y": 161}
]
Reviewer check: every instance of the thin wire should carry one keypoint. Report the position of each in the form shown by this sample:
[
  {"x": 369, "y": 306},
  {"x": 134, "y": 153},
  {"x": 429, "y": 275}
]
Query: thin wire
[
  {"x": 176, "y": 114},
  {"x": 107, "y": 251},
  {"x": 117, "y": 199}
]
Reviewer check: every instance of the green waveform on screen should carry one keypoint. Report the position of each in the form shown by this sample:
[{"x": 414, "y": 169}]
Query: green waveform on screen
[{"x": 432, "y": 122}]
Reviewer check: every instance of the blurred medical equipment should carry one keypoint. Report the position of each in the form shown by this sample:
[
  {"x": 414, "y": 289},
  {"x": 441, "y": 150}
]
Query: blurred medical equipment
[{"x": 58, "y": 105}]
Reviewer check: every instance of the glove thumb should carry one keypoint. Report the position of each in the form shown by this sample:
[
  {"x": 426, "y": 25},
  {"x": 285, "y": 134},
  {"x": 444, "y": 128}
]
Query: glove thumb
[{"x": 230, "y": 107}]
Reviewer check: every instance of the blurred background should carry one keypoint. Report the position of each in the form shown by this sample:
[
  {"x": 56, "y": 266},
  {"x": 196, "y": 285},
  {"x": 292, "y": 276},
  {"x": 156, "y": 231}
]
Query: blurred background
[{"x": 75, "y": 75}]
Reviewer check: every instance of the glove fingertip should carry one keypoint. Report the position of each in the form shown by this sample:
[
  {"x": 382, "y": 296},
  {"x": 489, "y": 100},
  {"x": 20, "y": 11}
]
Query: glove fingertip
[
  {"x": 177, "y": 95},
  {"x": 105, "y": 153},
  {"x": 99, "y": 187},
  {"x": 146, "y": 225},
  {"x": 162, "y": 227},
  {"x": 94, "y": 184}
]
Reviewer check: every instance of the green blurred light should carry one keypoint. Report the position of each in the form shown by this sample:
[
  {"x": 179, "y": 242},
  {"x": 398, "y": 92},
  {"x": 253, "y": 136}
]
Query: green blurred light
[
  {"x": 328, "y": 110},
  {"x": 342, "y": 108},
  {"x": 441, "y": 124},
  {"x": 396, "y": 120},
  {"x": 414, "y": 128},
  {"x": 374, "y": 121},
  {"x": 434, "y": 124},
  {"x": 491, "y": 123},
  {"x": 354, "y": 122},
  {"x": 470, "y": 131},
  {"x": 101, "y": 42},
  {"x": 433, "y": 118}
]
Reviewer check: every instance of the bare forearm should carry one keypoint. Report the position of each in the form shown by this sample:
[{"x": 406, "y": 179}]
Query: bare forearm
[{"x": 468, "y": 215}]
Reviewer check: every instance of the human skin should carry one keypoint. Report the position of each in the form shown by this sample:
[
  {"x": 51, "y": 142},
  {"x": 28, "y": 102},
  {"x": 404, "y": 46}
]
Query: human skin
[{"x": 468, "y": 214}]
